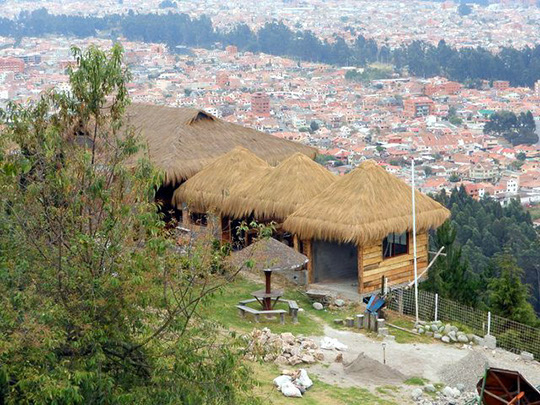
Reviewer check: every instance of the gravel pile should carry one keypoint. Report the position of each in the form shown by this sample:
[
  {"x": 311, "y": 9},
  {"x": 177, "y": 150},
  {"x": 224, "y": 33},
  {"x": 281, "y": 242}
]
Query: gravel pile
[
  {"x": 467, "y": 371},
  {"x": 365, "y": 367},
  {"x": 284, "y": 348},
  {"x": 441, "y": 399}
]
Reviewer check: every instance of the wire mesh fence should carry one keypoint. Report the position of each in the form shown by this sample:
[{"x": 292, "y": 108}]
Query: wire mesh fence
[{"x": 511, "y": 335}]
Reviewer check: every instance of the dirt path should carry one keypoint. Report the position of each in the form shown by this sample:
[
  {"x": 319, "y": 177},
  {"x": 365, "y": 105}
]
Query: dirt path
[{"x": 428, "y": 361}]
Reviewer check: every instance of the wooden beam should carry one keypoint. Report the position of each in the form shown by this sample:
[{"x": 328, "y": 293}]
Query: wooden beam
[
  {"x": 360, "y": 270},
  {"x": 309, "y": 253},
  {"x": 296, "y": 244}
]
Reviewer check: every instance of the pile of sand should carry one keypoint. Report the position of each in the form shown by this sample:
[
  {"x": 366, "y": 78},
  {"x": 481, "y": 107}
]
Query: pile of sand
[{"x": 367, "y": 369}]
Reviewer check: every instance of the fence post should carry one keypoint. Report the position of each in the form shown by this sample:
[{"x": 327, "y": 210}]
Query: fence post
[
  {"x": 400, "y": 302},
  {"x": 436, "y": 306},
  {"x": 489, "y": 323}
]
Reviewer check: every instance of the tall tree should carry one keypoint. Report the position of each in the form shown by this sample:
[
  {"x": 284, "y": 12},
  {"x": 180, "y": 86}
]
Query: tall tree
[
  {"x": 95, "y": 306},
  {"x": 508, "y": 295}
]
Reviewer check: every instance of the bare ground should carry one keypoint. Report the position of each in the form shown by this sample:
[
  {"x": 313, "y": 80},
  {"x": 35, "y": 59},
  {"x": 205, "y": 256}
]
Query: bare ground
[{"x": 428, "y": 361}]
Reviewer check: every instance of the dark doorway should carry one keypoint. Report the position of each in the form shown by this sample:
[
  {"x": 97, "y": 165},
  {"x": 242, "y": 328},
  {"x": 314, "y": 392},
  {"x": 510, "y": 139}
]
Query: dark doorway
[{"x": 334, "y": 261}]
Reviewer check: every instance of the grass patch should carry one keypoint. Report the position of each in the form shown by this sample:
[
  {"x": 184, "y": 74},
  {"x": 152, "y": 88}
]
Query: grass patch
[
  {"x": 402, "y": 336},
  {"x": 320, "y": 394},
  {"x": 415, "y": 381},
  {"x": 387, "y": 389},
  {"x": 221, "y": 307}
]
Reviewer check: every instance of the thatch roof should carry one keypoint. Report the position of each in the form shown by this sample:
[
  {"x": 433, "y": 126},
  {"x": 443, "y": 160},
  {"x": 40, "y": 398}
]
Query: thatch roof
[
  {"x": 281, "y": 191},
  {"x": 269, "y": 254},
  {"x": 208, "y": 189},
  {"x": 181, "y": 141},
  {"x": 363, "y": 206}
]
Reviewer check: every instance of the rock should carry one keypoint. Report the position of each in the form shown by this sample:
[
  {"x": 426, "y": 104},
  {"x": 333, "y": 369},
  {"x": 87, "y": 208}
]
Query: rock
[
  {"x": 452, "y": 336},
  {"x": 308, "y": 358},
  {"x": 462, "y": 339},
  {"x": 421, "y": 330},
  {"x": 318, "y": 306},
  {"x": 281, "y": 360},
  {"x": 287, "y": 337},
  {"x": 527, "y": 356},
  {"x": 460, "y": 387},
  {"x": 445, "y": 339},
  {"x": 339, "y": 358},
  {"x": 338, "y": 321},
  {"x": 339, "y": 303},
  {"x": 449, "y": 392},
  {"x": 434, "y": 328},
  {"x": 478, "y": 340},
  {"x": 447, "y": 329},
  {"x": 429, "y": 333},
  {"x": 437, "y": 335},
  {"x": 441, "y": 329},
  {"x": 416, "y": 394},
  {"x": 319, "y": 356},
  {"x": 294, "y": 360},
  {"x": 429, "y": 388}
]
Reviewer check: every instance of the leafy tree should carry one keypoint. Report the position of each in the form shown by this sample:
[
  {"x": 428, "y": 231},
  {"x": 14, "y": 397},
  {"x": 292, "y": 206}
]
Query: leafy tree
[
  {"x": 508, "y": 295},
  {"x": 516, "y": 129},
  {"x": 451, "y": 276},
  {"x": 95, "y": 305},
  {"x": 521, "y": 156},
  {"x": 454, "y": 178},
  {"x": 485, "y": 229},
  {"x": 314, "y": 126},
  {"x": 428, "y": 171}
]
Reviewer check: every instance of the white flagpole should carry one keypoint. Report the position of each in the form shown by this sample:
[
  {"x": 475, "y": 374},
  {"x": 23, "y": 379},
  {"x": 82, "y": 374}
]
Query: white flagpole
[{"x": 414, "y": 244}]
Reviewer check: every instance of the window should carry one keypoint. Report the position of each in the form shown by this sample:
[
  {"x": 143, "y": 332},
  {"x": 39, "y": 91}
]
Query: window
[{"x": 396, "y": 244}]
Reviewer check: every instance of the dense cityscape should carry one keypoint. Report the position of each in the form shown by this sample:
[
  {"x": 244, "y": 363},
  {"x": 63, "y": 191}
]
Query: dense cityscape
[{"x": 374, "y": 165}]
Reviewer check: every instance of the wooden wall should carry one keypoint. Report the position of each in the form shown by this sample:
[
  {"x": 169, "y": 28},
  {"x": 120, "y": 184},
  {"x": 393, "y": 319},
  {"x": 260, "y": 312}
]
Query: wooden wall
[{"x": 399, "y": 269}]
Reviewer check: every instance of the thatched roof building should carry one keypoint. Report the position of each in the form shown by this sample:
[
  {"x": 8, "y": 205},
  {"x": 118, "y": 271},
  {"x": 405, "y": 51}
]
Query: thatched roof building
[
  {"x": 268, "y": 254},
  {"x": 208, "y": 189},
  {"x": 281, "y": 191},
  {"x": 181, "y": 141},
  {"x": 364, "y": 206}
]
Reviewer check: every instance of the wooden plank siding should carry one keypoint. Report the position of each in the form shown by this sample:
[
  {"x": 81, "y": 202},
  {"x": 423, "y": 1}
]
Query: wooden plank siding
[{"x": 399, "y": 269}]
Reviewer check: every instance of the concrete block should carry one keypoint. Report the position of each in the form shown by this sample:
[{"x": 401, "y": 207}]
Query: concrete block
[
  {"x": 360, "y": 321},
  {"x": 490, "y": 342}
]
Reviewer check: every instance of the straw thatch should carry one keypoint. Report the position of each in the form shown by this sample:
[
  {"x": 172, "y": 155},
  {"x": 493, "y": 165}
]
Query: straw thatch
[
  {"x": 269, "y": 254},
  {"x": 208, "y": 189},
  {"x": 364, "y": 206},
  {"x": 280, "y": 191},
  {"x": 181, "y": 141}
]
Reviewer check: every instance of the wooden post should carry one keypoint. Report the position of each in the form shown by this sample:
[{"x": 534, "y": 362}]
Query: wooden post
[
  {"x": 186, "y": 219},
  {"x": 296, "y": 245},
  {"x": 360, "y": 270},
  {"x": 309, "y": 253}
]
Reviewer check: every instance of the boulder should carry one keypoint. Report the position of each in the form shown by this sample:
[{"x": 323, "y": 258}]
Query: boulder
[
  {"x": 287, "y": 337},
  {"x": 434, "y": 328},
  {"x": 421, "y": 330},
  {"x": 460, "y": 387},
  {"x": 447, "y": 329},
  {"x": 429, "y": 388},
  {"x": 339, "y": 303},
  {"x": 318, "y": 306},
  {"x": 416, "y": 394},
  {"x": 462, "y": 339},
  {"x": 449, "y": 392},
  {"x": 308, "y": 358},
  {"x": 445, "y": 339},
  {"x": 437, "y": 336},
  {"x": 429, "y": 333}
]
